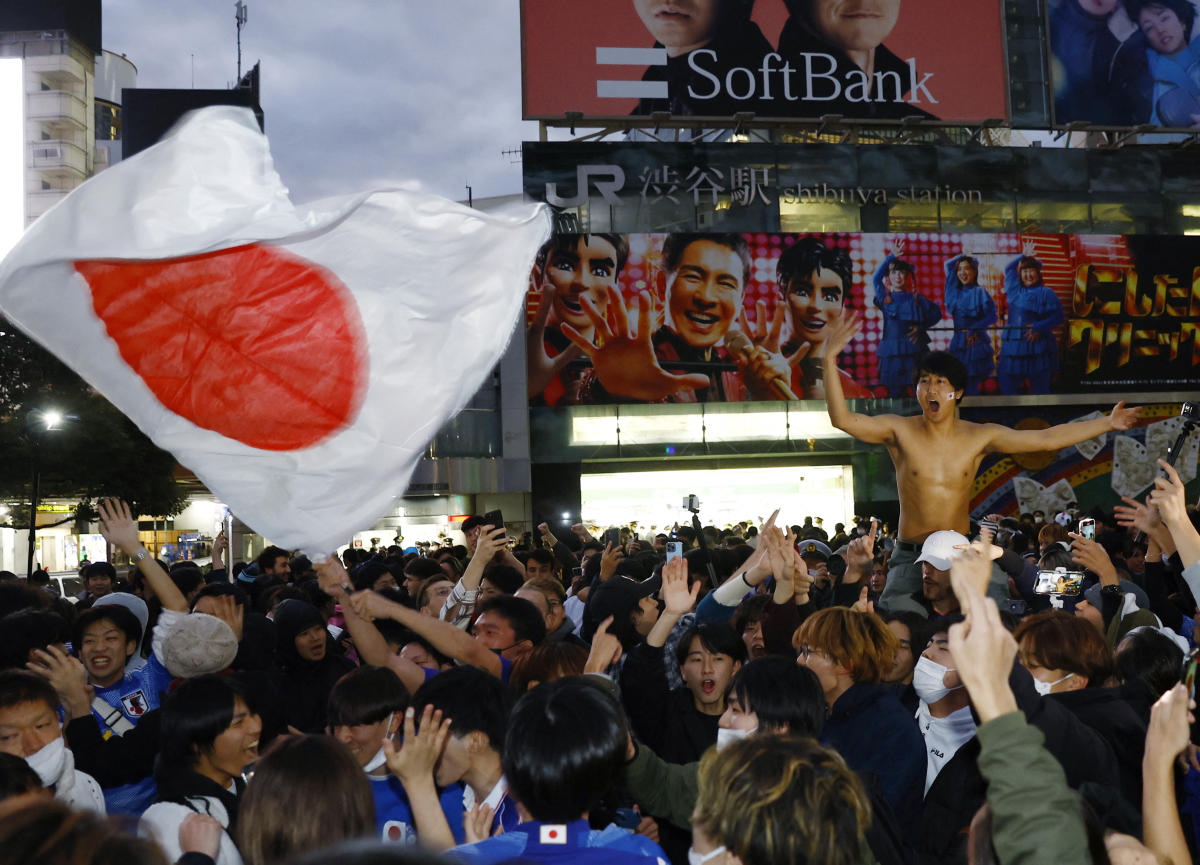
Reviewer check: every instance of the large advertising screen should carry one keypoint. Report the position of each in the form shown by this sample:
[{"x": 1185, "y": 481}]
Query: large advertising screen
[
  {"x": 684, "y": 318},
  {"x": 861, "y": 59},
  {"x": 1118, "y": 64}
]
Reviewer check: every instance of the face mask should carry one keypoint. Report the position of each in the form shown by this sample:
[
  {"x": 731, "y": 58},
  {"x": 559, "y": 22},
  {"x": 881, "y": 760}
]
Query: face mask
[
  {"x": 1043, "y": 688},
  {"x": 380, "y": 757},
  {"x": 929, "y": 681},
  {"x": 695, "y": 858},
  {"x": 48, "y": 761},
  {"x": 724, "y": 737}
]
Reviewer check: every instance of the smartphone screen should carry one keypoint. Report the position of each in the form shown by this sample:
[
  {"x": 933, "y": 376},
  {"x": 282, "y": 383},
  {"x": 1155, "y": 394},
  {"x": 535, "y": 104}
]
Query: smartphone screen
[
  {"x": 1087, "y": 528},
  {"x": 674, "y": 550},
  {"x": 1058, "y": 583},
  {"x": 1188, "y": 674},
  {"x": 613, "y": 536}
]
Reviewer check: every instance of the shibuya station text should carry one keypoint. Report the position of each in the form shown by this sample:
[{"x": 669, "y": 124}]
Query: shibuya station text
[
  {"x": 825, "y": 194},
  {"x": 817, "y": 81}
]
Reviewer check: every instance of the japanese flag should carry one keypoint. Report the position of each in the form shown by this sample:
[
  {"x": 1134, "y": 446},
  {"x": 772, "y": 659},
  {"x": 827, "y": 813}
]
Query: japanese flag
[{"x": 297, "y": 360}]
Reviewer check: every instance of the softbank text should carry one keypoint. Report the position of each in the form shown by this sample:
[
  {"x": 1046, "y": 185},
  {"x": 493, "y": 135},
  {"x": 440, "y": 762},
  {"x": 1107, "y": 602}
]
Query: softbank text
[{"x": 817, "y": 81}]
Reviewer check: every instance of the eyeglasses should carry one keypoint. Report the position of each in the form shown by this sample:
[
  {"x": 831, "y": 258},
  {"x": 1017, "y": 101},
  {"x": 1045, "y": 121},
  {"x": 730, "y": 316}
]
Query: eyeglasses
[{"x": 807, "y": 652}]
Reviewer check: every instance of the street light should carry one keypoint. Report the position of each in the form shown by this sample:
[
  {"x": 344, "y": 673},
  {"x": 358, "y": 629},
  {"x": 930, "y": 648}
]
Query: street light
[{"x": 37, "y": 423}]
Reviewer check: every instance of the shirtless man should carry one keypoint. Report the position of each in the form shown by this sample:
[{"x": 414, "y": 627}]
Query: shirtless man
[{"x": 936, "y": 454}]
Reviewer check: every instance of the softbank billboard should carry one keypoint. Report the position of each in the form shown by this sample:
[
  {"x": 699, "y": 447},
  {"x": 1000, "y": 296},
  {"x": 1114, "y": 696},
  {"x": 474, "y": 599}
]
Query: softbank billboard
[{"x": 861, "y": 59}]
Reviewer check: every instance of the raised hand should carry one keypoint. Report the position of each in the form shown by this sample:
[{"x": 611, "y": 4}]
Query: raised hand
[
  {"x": 118, "y": 525},
  {"x": 477, "y": 823},
  {"x": 228, "y": 610},
  {"x": 782, "y": 563},
  {"x": 66, "y": 674},
  {"x": 861, "y": 553},
  {"x": 1169, "y": 497},
  {"x": 982, "y": 648},
  {"x": 609, "y": 559},
  {"x": 842, "y": 327},
  {"x": 331, "y": 576},
  {"x": 1135, "y": 515},
  {"x": 1029, "y": 248},
  {"x": 1124, "y": 418},
  {"x": 415, "y": 758},
  {"x": 1093, "y": 557},
  {"x": 677, "y": 597},
  {"x": 898, "y": 246},
  {"x": 542, "y": 367},
  {"x": 606, "y": 649},
  {"x": 862, "y": 605},
  {"x": 624, "y": 359},
  {"x": 491, "y": 541},
  {"x": 970, "y": 571}
]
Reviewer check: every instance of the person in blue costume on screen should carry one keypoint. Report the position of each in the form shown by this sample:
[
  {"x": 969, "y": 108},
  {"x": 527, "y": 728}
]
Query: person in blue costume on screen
[
  {"x": 1028, "y": 350},
  {"x": 1174, "y": 59},
  {"x": 907, "y": 317},
  {"x": 974, "y": 312}
]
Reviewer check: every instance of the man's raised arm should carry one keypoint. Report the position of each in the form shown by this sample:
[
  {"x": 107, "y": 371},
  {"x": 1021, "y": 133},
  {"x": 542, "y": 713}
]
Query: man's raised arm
[
  {"x": 1011, "y": 441},
  {"x": 451, "y": 641},
  {"x": 871, "y": 429}
]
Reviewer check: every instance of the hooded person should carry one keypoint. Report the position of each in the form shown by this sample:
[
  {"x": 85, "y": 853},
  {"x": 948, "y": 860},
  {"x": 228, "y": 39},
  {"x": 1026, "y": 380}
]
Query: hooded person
[
  {"x": 309, "y": 664},
  {"x": 30, "y": 729},
  {"x": 141, "y": 612}
]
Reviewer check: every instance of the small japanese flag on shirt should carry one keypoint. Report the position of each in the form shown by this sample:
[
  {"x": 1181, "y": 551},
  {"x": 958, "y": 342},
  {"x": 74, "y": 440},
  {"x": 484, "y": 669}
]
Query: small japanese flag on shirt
[
  {"x": 297, "y": 360},
  {"x": 552, "y": 833}
]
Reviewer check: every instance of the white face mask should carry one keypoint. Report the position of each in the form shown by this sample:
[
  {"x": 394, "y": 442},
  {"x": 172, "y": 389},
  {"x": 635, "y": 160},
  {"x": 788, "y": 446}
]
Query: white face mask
[
  {"x": 380, "y": 757},
  {"x": 695, "y": 858},
  {"x": 1043, "y": 688},
  {"x": 49, "y": 761},
  {"x": 724, "y": 737},
  {"x": 929, "y": 681}
]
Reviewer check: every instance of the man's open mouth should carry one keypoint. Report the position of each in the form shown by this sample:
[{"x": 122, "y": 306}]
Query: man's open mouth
[
  {"x": 701, "y": 319},
  {"x": 934, "y": 405},
  {"x": 708, "y": 686}
]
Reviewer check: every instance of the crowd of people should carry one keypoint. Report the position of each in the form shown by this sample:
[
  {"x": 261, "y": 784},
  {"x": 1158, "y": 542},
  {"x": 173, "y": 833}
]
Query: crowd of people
[{"x": 768, "y": 696}]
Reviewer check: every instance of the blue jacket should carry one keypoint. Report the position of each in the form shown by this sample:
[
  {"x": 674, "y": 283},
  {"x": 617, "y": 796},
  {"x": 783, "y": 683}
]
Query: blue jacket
[
  {"x": 905, "y": 310},
  {"x": 974, "y": 312},
  {"x": 878, "y": 737},
  {"x": 1036, "y": 307}
]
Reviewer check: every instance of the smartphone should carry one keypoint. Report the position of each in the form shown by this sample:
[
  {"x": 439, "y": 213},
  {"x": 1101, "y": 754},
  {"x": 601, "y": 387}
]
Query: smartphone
[
  {"x": 1058, "y": 582},
  {"x": 495, "y": 519},
  {"x": 1087, "y": 528},
  {"x": 1188, "y": 674},
  {"x": 627, "y": 818},
  {"x": 613, "y": 536},
  {"x": 1017, "y": 607},
  {"x": 674, "y": 550}
]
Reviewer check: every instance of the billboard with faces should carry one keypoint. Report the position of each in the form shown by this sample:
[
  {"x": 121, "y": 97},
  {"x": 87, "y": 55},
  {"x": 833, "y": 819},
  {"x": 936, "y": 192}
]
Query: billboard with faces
[
  {"x": 680, "y": 318},
  {"x": 861, "y": 59},
  {"x": 1122, "y": 63}
]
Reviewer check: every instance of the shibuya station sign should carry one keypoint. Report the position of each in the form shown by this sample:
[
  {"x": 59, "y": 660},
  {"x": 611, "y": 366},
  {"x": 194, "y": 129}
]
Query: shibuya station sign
[
  {"x": 805, "y": 59},
  {"x": 737, "y": 185}
]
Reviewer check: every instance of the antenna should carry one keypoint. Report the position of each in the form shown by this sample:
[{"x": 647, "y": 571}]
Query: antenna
[{"x": 240, "y": 14}]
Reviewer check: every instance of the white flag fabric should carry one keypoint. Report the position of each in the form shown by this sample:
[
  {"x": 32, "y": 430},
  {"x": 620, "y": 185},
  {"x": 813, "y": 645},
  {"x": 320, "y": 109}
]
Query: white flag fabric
[{"x": 297, "y": 360}]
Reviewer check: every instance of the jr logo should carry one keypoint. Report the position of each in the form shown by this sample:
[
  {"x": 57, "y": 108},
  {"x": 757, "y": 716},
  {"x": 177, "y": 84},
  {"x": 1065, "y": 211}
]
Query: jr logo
[{"x": 607, "y": 188}]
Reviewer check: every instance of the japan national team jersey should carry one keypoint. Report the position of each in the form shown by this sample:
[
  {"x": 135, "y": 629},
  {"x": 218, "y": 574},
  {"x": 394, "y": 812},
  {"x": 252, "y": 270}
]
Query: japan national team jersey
[{"x": 393, "y": 814}]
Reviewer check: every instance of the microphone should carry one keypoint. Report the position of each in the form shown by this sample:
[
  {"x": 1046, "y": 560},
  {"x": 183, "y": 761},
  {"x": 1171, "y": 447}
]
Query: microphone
[{"x": 739, "y": 344}]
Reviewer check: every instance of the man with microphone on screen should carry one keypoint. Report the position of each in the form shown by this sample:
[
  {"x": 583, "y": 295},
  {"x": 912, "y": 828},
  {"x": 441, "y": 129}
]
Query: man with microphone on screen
[{"x": 697, "y": 354}]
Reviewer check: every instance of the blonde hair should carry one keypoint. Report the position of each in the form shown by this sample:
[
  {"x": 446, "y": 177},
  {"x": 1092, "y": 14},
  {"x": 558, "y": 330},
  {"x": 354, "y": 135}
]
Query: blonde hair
[
  {"x": 775, "y": 798},
  {"x": 860, "y": 642}
]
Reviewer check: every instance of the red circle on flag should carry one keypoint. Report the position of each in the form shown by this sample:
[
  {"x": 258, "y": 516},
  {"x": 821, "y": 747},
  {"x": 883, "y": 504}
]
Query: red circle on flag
[
  {"x": 553, "y": 833},
  {"x": 253, "y": 342}
]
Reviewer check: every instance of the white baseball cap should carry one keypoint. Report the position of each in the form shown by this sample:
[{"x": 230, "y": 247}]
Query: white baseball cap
[{"x": 938, "y": 548}]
